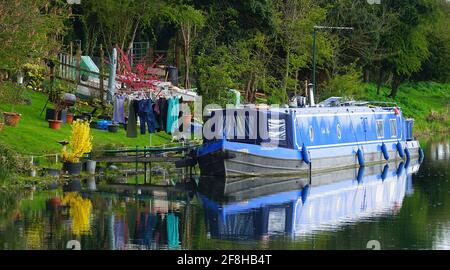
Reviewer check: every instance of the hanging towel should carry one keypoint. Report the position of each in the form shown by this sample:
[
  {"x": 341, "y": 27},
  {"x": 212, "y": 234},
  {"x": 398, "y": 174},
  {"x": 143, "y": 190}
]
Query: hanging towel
[
  {"x": 173, "y": 112},
  {"x": 118, "y": 113}
]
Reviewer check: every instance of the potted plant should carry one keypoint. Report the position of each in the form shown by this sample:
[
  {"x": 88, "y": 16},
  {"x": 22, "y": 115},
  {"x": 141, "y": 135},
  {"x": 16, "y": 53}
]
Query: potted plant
[
  {"x": 69, "y": 116},
  {"x": 80, "y": 143},
  {"x": 12, "y": 95},
  {"x": 55, "y": 123},
  {"x": 62, "y": 98}
]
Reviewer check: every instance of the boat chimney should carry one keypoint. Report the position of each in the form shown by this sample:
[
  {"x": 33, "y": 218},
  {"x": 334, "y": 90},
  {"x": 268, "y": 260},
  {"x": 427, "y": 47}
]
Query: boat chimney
[{"x": 311, "y": 94}]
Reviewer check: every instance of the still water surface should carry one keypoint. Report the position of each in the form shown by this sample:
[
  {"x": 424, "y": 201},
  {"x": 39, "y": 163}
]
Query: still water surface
[{"x": 402, "y": 206}]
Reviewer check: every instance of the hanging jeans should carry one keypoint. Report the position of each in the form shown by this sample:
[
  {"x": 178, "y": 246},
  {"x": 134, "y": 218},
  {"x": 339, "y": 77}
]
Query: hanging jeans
[{"x": 146, "y": 116}]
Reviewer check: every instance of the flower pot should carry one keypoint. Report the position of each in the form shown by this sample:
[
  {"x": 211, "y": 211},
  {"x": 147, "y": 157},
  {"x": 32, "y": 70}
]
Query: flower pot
[
  {"x": 54, "y": 124},
  {"x": 72, "y": 168},
  {"x": 69, "y": 118},
  {"x": 113, "y": 128},
  {"x": 50, "y": 114},
  {"x": 90, "y": 166},
  {"x": 11, "y": 118}
]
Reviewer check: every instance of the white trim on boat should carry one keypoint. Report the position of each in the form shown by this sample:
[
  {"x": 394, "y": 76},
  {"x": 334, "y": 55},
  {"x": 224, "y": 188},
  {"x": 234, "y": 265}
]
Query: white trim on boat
[{"x": 352, "y": 143}]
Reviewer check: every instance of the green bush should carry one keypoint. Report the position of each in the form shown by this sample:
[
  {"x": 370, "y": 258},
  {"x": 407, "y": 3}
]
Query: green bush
[
  {"x": 34, "y": 76},
  {"x": 343, "y": 85},
  {"x": 11, "y": 162},
  {"x": 11, "y": 94}
]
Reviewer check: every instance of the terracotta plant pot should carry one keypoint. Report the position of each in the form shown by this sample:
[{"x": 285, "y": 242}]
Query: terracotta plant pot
[
  {"x": 11, "y": 118},
  {"x": 69, "y": 118},
  {"x": 54, "y": 124}
]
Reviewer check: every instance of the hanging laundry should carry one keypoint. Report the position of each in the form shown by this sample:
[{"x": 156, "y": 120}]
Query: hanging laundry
[
  {"x": 118, "y": 113},
  {"x": 132, "y": 119},
  {"x": 163, "y": 104},
  {"x": 156, "y": 113},
  {"x": 173, "y": 111},
  {"x": 146, "y": 116}
]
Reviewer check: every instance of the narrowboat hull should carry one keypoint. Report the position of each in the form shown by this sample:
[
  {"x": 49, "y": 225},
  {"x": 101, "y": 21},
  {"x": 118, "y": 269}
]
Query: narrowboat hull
[{"x": 232, "y": 160}]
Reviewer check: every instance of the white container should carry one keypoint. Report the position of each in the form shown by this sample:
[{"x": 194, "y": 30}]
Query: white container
[{"x": 90, "y": 166}]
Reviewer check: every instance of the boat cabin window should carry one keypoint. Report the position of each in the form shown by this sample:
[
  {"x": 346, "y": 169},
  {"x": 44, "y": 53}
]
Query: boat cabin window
[
  {"x": 380, "y": 129},
  {"x": 393, "y": 125}
]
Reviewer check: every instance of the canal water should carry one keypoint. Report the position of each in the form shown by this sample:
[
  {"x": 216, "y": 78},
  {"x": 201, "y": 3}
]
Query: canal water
[{"x": 398, "y": 206}]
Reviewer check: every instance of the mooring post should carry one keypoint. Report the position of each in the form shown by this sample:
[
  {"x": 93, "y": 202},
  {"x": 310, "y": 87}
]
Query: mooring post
[
  {"x": 150, "y": 173},
  {"x": 145, "y": 165},
  {"x": 136, "y": 159}
]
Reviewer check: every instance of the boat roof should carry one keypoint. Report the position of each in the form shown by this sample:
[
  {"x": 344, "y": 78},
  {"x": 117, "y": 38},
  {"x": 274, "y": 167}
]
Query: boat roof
[{"x": 313, "y": 110}]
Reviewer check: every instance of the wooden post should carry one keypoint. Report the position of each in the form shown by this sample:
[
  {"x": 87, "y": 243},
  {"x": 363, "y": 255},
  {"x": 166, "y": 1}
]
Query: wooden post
[
  {"x": 102, "y": 88},
  {"x": 136, "y": 169},
  {"x": 150, "y": 55},
  {"x": 71, "y": 60},
  {"x": 78, "y": 67}
]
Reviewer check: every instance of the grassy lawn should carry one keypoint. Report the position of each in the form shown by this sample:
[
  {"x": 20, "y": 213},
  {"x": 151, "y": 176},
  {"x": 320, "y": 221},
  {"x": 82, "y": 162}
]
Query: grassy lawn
[
  {"x": 33, "y": 136},
  {"x": 418, "y": 101}
]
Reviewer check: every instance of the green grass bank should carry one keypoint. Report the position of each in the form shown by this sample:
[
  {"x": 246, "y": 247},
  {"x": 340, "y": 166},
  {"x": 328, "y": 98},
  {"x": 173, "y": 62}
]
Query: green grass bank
[
  {"x": 427, "y": 102},
  {"x": 32, "y": 136}
]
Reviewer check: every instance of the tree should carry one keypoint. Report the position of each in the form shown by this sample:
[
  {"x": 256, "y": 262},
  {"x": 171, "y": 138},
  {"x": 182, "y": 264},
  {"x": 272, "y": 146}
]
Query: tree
[
  {"x": 190, "y": 21},
  {"x": 407, "y": 40},
  {"x": 30, "y": 30},
  {"x": 363, "y": 45},
  {"x": 295, "y": 22},
  {"x": 116, "y": 23},
  {"x": 437, "y": 66}
]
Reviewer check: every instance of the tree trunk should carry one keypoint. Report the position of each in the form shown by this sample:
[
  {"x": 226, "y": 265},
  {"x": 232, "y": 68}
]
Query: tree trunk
[
  {"x": 366, "y": 75},
  {"x": 396, "y": 80},
  {"x": 253, "y": 88},
  {"x": 286, "y": 74},
  {"x": 379, "y": 81},
  {"x": 186, "y": 66},
  {"x": 248, "y": 89},
  {"x": 296, "y": 82}
]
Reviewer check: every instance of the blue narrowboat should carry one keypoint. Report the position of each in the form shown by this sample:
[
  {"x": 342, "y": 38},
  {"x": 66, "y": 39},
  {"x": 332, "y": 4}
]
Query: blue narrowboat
[{"x": 252, "y": 141}]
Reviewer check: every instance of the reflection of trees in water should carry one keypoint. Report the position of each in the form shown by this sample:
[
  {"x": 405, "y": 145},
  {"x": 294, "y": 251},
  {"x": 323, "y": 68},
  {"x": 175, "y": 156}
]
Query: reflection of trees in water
[{"x": 80, "y": 213}]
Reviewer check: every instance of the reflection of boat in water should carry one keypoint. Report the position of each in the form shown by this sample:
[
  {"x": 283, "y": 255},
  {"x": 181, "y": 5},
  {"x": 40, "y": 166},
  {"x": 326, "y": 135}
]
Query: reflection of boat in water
[{"x": 325, "y": 201}]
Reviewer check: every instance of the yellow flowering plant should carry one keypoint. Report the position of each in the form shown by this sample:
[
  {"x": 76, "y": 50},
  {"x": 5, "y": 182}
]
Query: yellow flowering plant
[{"x": 80, "y": 142}]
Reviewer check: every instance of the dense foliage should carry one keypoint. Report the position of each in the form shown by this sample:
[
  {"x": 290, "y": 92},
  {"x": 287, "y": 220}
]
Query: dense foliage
[{"x": 255, "y": 46}]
